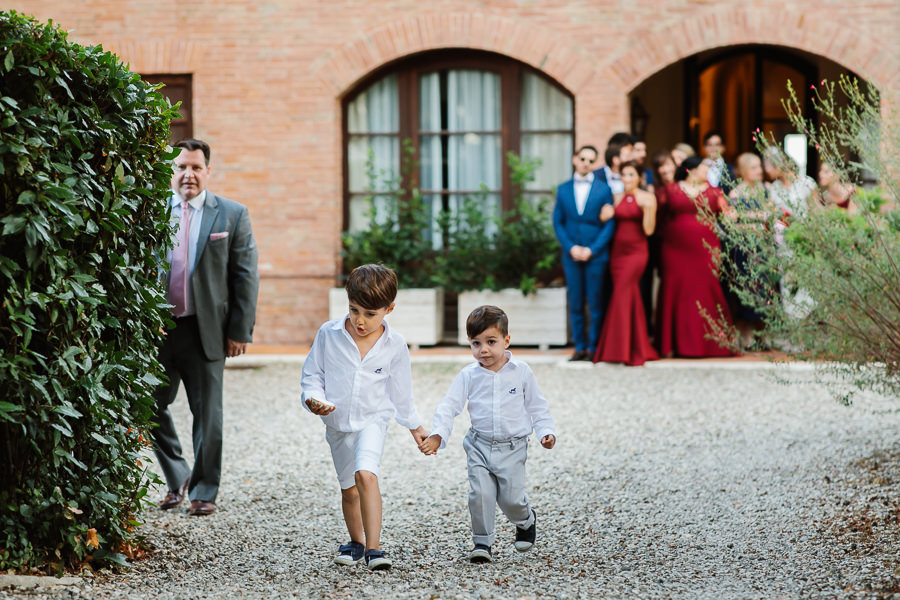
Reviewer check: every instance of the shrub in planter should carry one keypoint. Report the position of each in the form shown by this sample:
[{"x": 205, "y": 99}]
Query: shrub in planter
[
  {"x": 397, "y": 235},
  {"x": 517, "y": 250},
  {"x": 84, "y": 174}
]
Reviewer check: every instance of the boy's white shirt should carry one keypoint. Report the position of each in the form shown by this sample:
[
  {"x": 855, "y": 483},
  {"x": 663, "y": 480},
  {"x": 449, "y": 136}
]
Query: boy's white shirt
[
  {"x": 375, "y": 388},
  {"x": 502, "y": 405}
]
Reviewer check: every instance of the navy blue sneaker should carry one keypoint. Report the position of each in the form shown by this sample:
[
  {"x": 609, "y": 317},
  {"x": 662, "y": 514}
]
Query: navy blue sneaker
[
  {"x": 525, "y": 537},
  {"x": 480, "y": 554},
  {"x": 350, "y": 554},
  {"x": 377, "y": 561}
]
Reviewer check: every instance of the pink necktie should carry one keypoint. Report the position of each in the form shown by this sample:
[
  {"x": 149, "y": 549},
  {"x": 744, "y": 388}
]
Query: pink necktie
[{"x": 178, "y": 277}]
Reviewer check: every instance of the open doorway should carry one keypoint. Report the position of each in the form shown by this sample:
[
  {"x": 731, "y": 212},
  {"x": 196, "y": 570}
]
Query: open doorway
[{"x": 732, "y": 90}]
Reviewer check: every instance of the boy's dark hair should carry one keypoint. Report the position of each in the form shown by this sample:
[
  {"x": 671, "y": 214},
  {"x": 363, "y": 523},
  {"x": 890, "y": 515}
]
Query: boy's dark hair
[
  {"x": 486, "y": 316},
  {"x": 372, "y": 286},
  {"x": 191, "y": 145},
  {"x": 587, "y": 147}
]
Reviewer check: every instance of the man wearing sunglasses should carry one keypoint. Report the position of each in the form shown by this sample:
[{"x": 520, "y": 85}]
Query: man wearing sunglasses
[{"x": 585, "y": 247}]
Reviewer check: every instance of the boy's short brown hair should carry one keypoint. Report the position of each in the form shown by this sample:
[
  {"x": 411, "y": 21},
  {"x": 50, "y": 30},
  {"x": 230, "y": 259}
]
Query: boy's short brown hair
[
  {"x": 486, "y": 316},
  {"x": 372, "y": 286}
]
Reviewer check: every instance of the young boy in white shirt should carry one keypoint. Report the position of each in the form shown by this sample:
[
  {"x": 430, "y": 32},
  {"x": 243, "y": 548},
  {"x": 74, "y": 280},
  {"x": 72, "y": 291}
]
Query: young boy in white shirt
[
  {"x": 505, "y": 406},
  {"x": 357, "y": 378}
]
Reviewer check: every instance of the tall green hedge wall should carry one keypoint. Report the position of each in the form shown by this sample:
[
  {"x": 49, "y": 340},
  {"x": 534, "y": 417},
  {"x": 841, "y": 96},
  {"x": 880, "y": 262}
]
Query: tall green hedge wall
[{"x": 84, "y": 171}]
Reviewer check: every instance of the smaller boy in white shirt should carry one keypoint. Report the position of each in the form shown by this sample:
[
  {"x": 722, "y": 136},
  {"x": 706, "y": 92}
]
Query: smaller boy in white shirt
[
  {"x": 505, "y": 405},
  {"x": 357, "y": 377}
]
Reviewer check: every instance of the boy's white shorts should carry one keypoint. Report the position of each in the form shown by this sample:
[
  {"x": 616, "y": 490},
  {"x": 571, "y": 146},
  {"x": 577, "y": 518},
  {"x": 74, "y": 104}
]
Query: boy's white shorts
[{"x": 356, "y": 451}]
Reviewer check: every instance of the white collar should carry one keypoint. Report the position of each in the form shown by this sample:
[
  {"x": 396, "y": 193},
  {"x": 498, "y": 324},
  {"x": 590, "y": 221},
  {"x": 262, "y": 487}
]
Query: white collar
[
  {"x": 589, "y": 178},
  {"x": 196, "y": 202}
]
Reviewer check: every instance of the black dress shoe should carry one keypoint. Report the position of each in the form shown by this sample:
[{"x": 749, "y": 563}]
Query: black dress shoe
[
  {"x": 175, "y": 498},
  {"x": 580, "y": 355}
]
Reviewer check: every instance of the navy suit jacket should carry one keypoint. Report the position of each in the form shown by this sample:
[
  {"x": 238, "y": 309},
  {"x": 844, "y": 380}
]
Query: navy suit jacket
[{"x": 585, "y": 229}]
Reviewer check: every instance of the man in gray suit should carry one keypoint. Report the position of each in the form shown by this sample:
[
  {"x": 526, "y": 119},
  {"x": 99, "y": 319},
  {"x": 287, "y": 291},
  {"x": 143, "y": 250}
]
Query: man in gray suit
[{"x": 212, "y": 285}]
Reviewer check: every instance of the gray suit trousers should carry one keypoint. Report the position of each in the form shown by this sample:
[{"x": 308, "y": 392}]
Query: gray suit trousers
[
  {"x": 182, "y": 357},
  {"x": 496, "y": 477}
]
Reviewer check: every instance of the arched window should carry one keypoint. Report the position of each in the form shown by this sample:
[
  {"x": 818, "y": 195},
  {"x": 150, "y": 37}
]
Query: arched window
[{"x": 461, "y": 111}]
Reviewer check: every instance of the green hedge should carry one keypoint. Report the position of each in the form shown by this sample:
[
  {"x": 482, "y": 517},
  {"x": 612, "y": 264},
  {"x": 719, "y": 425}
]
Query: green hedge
[{"x": 84, "y": 173}]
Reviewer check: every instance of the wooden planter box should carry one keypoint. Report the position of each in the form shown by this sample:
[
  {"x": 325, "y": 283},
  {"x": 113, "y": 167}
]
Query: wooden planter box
[
  {"x": 418, "y": 314},
  {"x": 539, "y": 319}
]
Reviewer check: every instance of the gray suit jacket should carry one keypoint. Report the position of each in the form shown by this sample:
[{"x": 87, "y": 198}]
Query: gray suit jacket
[{"x": 225, "y": 282}]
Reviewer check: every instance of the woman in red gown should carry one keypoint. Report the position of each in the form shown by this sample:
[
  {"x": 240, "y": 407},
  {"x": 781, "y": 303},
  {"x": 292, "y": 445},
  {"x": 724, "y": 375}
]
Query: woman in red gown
[
  {"x": 688, "y": 271},
  {"x": 624, "y": 337}
]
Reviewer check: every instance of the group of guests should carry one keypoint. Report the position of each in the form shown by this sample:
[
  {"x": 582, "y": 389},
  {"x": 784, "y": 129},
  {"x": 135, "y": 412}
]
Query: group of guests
[{"x": 622, "y": 225}]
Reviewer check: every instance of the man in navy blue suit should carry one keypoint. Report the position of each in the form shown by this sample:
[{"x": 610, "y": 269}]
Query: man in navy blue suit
[{"x": 585, "y": 246}]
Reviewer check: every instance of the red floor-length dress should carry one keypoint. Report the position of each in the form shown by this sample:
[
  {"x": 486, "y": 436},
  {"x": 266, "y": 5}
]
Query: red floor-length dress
[
  {"x": 688, "y": 276},
  {"x": 624, "y": 337}
]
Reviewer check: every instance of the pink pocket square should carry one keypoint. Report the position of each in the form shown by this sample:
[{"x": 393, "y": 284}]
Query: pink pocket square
[{"x": 218, "y": 236}]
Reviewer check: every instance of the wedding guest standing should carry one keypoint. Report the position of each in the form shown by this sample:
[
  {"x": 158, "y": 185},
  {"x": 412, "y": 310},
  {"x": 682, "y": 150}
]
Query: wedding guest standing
[
  {"x": 833, "y": 191},
  {"x": 624, "y": 337},
  {"x": 689, "y": 280},
  {"x": 751, "y": 196},
  {"x": 585, "y": 246}
]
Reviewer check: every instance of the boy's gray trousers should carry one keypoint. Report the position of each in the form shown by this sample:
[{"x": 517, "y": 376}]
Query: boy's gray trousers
[{"x": 496, "y": 477}]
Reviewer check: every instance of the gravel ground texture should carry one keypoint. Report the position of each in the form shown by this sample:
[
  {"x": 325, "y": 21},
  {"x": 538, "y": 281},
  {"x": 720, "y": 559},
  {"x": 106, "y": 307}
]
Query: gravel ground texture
[{"x": 689, "y": 480}]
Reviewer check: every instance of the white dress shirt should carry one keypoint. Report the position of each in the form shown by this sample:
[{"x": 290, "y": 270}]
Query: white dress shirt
[
  {"x": 375, "y": 388},
  {"x": 614, "y": 181},
  {"x": 502, "y": 405},
  {"x": 196, "y": 207},
  {"x": 582, "y": 190}
]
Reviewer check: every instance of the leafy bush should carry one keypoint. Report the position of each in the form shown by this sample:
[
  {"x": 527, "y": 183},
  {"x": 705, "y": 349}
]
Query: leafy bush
[
  {"x": 397, "y": 233},
  {"x": 477, "y": 251},
  {"x": 839, "y": 303},
  {"x": 84, "y": 174}
]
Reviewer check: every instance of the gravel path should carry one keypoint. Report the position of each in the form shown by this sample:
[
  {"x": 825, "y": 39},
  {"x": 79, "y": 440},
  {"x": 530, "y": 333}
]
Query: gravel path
[{"x": 674, "y": 481}]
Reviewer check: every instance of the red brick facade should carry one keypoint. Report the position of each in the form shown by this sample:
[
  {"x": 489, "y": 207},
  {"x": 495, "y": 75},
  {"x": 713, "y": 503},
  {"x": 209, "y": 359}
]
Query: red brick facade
[{"x": 269, "y": 76}]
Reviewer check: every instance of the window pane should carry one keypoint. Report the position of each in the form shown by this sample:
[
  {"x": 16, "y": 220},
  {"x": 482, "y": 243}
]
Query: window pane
[
  {"x": 430, "y": 163},
  {"x": 490, "y": 206},
  {"x": 361, "y": 204},
  {"x": 555, "y": 151},
  {"x": 380, "y": 154},
  {"x": 376, "y": 109},
  {"x": 473, "y": 101},
  {"x": 543, "y": 105},
  {"x": 430, "y": 102},
  {"x": 472, "y": 160}
]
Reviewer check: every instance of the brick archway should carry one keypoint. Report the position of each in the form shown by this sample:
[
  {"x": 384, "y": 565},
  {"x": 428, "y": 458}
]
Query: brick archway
[
  {"x": 653, "y": 50},
  {"x": 536, "y": 46}
]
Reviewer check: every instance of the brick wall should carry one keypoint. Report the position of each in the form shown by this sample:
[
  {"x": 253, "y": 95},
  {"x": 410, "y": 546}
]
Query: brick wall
[{"x": 269, "y": 75}]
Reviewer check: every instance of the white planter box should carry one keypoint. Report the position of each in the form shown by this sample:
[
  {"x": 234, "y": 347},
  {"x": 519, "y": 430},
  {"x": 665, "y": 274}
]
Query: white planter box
[
  {"x": 539, "y": 319},
  {"x": 418, "y": 314}
]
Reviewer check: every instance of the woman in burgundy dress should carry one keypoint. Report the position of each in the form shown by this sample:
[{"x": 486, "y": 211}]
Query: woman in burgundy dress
[
  {"x": 624, "y": 337},
  {"x": 688, "y": 272}
]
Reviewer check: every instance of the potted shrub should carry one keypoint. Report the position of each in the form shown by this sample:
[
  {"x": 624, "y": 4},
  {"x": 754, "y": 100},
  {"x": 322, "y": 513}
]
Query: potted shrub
[
  {"x": 398, "y": 237},
  {"x": 509, "y": 261}
]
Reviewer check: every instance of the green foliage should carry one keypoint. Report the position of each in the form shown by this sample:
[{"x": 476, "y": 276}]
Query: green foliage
[
  {"x": 478, "y": 250},
  {"x": 840, "y": 300},
  {"x": 397, "y": 234},
  {"x": 83, "y": 175},
  {"x": 527, "y": 249}
]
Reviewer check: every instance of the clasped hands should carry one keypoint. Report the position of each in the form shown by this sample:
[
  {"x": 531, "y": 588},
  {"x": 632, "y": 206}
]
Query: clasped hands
[
  {"x": 431, "y": 443},
  {"x": 581, "y": 253}
]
